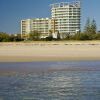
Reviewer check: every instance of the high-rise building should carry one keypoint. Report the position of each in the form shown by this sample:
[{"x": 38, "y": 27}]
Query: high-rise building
[
  {"x": 66, "y": 19},
  {"x": 67, "y": 16}
]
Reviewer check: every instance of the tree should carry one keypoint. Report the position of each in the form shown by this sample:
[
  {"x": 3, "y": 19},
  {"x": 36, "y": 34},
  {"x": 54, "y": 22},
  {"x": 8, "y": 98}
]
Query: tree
[
  {"x": 93, "y": 27},
  {"x": 90, "y": 29},
  {"x": 58, "y": 35},
  {"x": 49, "y": 38},
  {"x": 87, "y": 28},
  {"x": 34, "y": 35},
  {"x": 98, "y": 36},
  {"x": 4, "y": 37},
  {"x": 77, "y": 36},
  {"x": 68, "y": 36},
  {"x": 85, "y": 37}
]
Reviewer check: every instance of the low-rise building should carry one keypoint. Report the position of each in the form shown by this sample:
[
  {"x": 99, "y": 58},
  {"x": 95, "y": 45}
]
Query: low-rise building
[{"x": 43, "y": 26}]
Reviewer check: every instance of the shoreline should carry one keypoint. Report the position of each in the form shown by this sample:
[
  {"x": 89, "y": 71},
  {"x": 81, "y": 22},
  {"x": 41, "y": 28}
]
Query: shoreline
[
  {"x": 9, "y": 59},
  {"x": 50, "y": 52}
]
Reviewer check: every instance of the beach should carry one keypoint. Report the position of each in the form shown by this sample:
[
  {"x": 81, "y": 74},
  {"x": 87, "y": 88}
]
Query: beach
[{"x": 50, "y": 51}]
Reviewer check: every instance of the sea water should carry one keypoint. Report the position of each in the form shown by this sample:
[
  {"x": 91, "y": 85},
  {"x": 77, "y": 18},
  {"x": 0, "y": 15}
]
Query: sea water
[{"x": 50, "y": 81}]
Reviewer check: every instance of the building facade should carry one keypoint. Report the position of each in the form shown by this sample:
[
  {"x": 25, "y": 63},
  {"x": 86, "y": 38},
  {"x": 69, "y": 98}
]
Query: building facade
[
  {"x": 43, "y": 26},
  {"x": 66, "y": 18}
]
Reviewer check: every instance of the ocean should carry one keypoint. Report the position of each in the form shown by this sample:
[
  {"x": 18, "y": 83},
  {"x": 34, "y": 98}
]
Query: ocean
[{"x": 50, "y": 81}]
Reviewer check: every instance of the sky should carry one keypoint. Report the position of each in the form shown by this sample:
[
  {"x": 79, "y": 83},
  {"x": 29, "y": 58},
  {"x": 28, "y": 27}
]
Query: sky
[{"x": 13, "y": 11}]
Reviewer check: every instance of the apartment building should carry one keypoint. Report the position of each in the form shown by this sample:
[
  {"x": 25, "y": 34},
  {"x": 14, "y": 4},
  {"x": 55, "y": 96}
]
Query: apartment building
[
  {"x": 67, "y": 16},
  {"x": 43, "y": 26},
  {"x": 66, "y": 19}
]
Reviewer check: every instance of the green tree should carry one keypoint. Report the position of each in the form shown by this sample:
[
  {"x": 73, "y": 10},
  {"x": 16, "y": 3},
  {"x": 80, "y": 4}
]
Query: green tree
[
  {"x": 90, "y": 30},
  {"x": 49, "y": 38},
  {"x": 34, "y": 35},
  {"x": 4, "y": 37},
  {"x": 93, "y": 27},
  {"x": 98, "y": 36},
  {"x": 87, "y": 28},
  {"x": 85, "y": 37},
  {"x": 16, "y": 37},
  {"x": 58, "y": 35}
]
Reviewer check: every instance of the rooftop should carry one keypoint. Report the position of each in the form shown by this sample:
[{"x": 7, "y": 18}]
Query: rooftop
[
  {"x": 37, "y": 19},
  {"x": 62, "y": 4}
]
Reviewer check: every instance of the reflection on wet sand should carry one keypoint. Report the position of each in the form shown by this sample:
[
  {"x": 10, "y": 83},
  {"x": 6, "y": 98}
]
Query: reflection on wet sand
[{"x": 45, "y": 67}]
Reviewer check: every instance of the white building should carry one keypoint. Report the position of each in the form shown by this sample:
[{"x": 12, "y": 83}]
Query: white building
[
  {"x": 43, "y": 26},
  {"x": 67, "y": 16},
  {"x": 66, "y": 19}
]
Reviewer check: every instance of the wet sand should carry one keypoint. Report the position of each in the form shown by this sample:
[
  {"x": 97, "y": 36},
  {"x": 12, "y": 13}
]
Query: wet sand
[{"x": 49, "y": 52}]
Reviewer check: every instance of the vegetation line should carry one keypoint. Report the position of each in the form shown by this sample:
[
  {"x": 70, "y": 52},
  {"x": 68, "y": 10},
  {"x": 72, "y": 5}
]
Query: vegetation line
[{"x": 90, "y": 33}]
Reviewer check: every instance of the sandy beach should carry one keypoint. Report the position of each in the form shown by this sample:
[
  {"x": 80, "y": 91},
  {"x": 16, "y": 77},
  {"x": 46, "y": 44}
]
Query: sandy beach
[{"x": 50, "y": 51}]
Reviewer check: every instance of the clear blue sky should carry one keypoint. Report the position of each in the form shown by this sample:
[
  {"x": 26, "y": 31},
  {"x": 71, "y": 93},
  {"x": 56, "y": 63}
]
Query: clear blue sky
[{"x": 13, "y": 11}]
